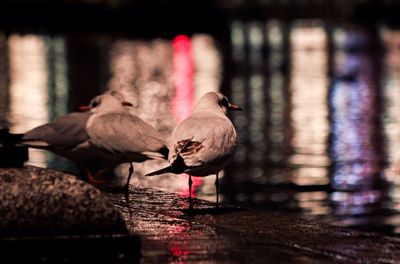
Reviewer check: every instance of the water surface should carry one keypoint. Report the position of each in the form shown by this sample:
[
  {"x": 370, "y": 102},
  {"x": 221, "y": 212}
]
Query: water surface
[{"x": 320, "y": 134}]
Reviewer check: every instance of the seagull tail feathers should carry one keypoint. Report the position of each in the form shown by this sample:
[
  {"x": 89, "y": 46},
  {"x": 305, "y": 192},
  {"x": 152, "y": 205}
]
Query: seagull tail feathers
[
  {"x": 32, "y": 143},
  {"x": 160, "y": 154},
  {"x": 161, "y": 171},
  {"x": 177, "y": 167},
  {"x": 164, "y": 151}
]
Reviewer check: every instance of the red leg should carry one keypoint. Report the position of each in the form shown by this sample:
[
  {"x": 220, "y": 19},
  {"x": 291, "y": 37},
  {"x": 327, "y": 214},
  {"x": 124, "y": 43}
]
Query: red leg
[{"x": 92, "y": 179}]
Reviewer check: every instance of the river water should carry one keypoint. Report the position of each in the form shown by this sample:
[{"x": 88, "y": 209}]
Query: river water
[{"x": 320, "y": 134}]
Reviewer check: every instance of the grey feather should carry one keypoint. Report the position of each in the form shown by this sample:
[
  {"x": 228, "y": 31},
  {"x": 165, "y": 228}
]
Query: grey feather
[
  {"x": 65, "y": 132},
  {"x": 125, "y": 133}
]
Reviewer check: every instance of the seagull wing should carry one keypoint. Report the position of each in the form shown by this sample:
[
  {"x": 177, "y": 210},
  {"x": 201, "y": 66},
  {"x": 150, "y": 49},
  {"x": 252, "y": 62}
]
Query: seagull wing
[
  {"x": 65, "y": 132},
  {"x": 199, "y": 140},
  {"x": 125, "y": 133}
]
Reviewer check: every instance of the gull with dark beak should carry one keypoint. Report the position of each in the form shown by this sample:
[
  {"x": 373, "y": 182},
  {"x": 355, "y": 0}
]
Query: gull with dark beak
[
  {"x": 106, "y": 132},
  {"x": 204, "y": 143}
]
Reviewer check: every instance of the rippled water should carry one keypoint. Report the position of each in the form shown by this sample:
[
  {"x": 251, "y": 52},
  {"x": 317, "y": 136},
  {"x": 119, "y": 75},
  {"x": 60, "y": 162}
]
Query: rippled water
[{"x": 320, "y": 134}]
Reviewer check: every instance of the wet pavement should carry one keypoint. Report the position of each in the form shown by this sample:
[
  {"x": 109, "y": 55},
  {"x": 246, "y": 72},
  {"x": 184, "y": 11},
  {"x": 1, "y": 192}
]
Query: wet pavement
[
  {"x": 171, "y": 233},
  {"x": 168, "y": 231}
]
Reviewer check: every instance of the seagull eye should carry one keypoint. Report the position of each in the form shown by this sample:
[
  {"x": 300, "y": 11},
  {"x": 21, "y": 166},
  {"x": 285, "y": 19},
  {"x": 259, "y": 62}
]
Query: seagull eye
[
  {"x": 94, "y": 104},
  {"x": 224, "y": 102}
]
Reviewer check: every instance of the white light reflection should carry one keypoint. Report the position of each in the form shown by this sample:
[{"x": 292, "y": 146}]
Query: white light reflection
[
  {"x": 311, "y": 176},
  {"x": 309, "y": 89},
  {"x": 353, "y": 203},
  {"x": 311, "y": 196},
  {"x": 207, "y": 65},
  {"x": 28, "y": 87},
  {"x": 142, "y": 72},
  {"x": 391, "y": 95}
]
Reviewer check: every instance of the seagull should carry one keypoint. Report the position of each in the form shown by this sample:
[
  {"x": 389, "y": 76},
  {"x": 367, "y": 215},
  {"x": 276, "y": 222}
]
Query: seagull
[
  {"x": 106, "y": 132},
  {"x": 66, "y": 136},
  {"x": 204, "y": 143}
]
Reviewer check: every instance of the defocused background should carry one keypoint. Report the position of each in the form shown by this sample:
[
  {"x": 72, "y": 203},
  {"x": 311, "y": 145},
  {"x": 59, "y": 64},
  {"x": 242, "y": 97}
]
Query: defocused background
[{"x": 319, "y": 81}]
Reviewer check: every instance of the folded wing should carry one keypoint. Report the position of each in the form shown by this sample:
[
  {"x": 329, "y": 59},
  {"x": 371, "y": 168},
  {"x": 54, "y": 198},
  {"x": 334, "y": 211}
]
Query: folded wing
[
  {"x": 65, "y": 132},
  {"x": 126, "y": 133}
]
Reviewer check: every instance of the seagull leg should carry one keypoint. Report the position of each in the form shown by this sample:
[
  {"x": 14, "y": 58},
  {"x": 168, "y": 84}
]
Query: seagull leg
[
  {"x": 92, "y": 179},
  {"x": 190, "y": 191},
  {"x": 129, "y": 177},
  {"x": 217, "y": 188}
]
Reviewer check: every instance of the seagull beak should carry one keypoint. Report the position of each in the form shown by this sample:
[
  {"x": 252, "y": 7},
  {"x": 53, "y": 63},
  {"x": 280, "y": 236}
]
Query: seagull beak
[
  {"x": 84, "y": 108},
  {"x": 127, "y": 104},
  {"x": 234, "y": 107}
]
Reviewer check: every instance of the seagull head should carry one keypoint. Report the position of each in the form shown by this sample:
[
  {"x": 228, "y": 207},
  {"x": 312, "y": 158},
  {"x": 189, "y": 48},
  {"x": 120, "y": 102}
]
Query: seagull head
[
  {"x": 216, "y": 102},
  {"x": 105, "y": 103}
]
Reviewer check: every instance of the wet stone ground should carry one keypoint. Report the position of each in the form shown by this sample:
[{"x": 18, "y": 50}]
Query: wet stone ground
[
  {"x": 52, "y": 217},
  {"x": 171, "y": 233}
]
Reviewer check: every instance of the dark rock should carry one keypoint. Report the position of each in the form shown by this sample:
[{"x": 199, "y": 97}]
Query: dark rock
[
  {"x": 43, "y": 202},
  {"x": 11, "y": 154},
  {"x": 97, "y": 249}
]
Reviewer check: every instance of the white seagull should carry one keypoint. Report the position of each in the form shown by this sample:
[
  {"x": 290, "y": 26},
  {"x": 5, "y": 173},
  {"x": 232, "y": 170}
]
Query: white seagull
[
  {"x": 204, "y": 143},
  {"x": 106, "y": 132}
]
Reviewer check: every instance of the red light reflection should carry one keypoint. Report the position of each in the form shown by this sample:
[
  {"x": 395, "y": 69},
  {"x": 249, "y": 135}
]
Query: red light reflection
[
  {"x": 182, "y": 103},
  {"x": 180, "y": 246}
]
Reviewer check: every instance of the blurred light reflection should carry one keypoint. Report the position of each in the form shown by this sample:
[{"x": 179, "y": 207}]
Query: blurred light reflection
[
  {"x": 142, "y": 72},
  {"x": 309, "y": 91},
  {"x": 58, "y": 87},
  {"x": 28, "y": 87},
  {"x": 238, "y": 82},
  {"x": 182, "y": 103},
  {"x": 58, "y": 72},
  {"x": 257, "y": 96},
  {"x": 207, "y": 65},
  {"x": 180, "y": 245},
  {"x": 391, "y": 95},
  {"x": 279, "y": 74},
  {"x": 158, "y": 76},
  {"x": 356, "y": 155},
  {"x": 237, "y": 40},
  {"x": 279, "y": 130}
]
